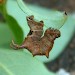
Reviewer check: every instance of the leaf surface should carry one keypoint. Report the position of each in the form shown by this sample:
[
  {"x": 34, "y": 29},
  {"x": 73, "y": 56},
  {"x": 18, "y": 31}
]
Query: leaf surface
[{"x": 14, "y": 62}]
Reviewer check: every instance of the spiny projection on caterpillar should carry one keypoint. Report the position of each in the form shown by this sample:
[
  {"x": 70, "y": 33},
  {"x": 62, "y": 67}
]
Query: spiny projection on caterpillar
[{"x": 35, "y": 42}]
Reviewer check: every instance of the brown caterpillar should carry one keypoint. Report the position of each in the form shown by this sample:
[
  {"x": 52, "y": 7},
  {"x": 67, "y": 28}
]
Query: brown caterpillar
[{"x": 35, "y": 42}]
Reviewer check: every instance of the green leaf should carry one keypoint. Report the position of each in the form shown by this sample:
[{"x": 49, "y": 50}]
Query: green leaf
[
  {"x": 51, "y": 18},
  {"x": 56, "y": 19},
  {"x": 21, "y": 62},
  {"x": 14, "y": 26},
  {"x": 6, "y": 36},
  {"x": 16, "y": 13},
  {"x": 14, "y": 62}
]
